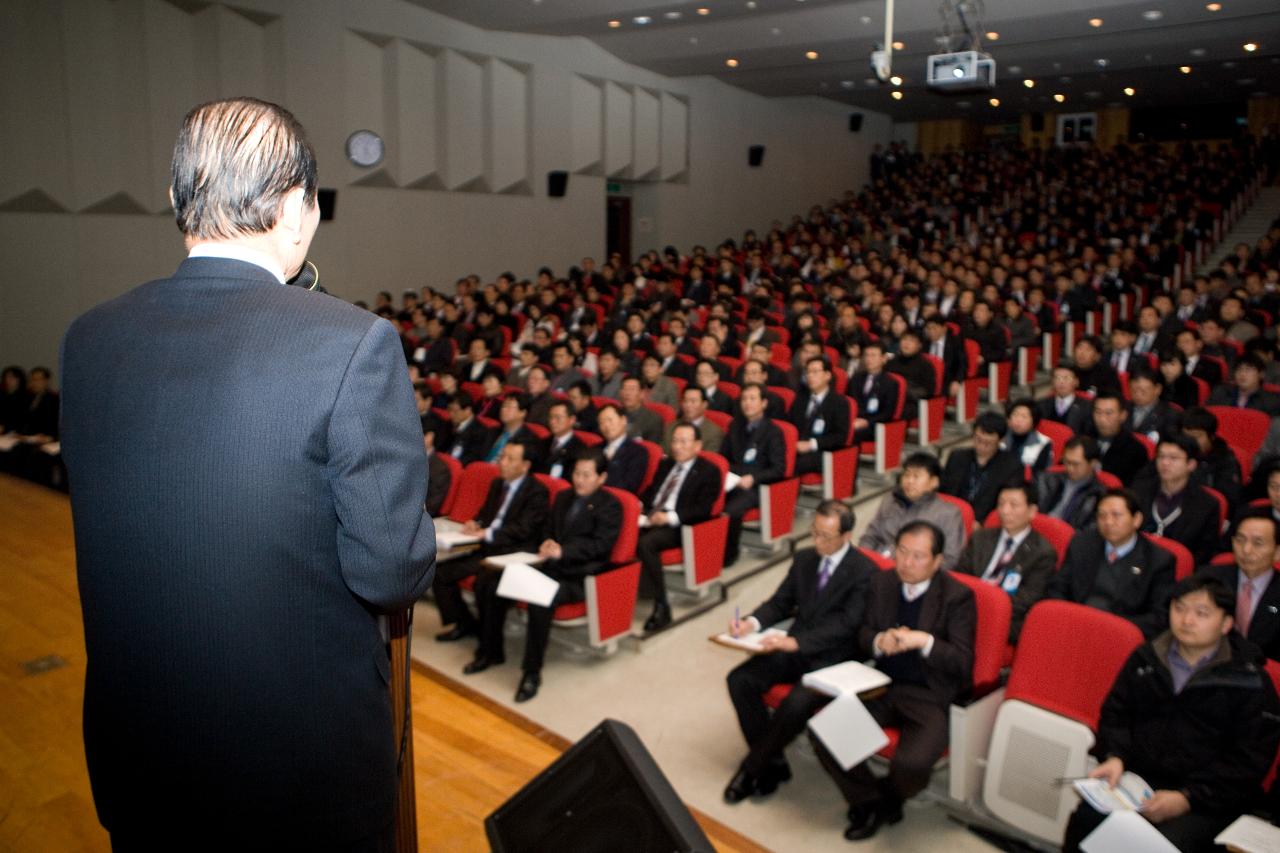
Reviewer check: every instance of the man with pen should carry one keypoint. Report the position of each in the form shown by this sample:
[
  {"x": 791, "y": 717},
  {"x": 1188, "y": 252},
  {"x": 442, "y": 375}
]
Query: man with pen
[{"x": 825, "y": 592}]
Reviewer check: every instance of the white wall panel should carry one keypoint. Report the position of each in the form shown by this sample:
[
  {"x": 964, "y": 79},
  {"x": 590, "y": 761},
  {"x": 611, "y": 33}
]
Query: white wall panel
[
  {"x": 617, "y": 130},
  {"x": 675, "y": 137},
  {"x": 416, "y": 111},
  {"x": 646, "y": 128},
  {"x": 181, "y": 75},
  {"x": 242, "y": 53},
  {"x": 364, "y": 98},
  {"x": 586, "y": 143},
  {"x": 33, "y": 131},
  {"x": 463, "y": 121},
  {"x": 508, "y": 126}
]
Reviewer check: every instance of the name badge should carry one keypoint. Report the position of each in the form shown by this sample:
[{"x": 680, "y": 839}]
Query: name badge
[
  {"x": 557, "y": 470},
  {"x": 420, "y": 354},
  {"x": 873, "y": 405},
  {"x": 818, "y": 426},
  {"x": 456, "y": 453},
  {"x": 750, "y": 456},
  {"x": 1011, "y": 582}
]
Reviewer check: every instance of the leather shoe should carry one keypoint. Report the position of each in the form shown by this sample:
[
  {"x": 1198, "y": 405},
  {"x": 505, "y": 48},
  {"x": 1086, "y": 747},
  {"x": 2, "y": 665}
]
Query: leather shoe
[
  {"x": 741, "y": 786},
  {"x": 529, "y": 684},
  {"x": 660, "y": 618},
  {"x": 480, "y": 664},
  {"x": 454, "y": 634},
  {"x": 772, "y": 777},
  {"x": 871, "y": 819}
]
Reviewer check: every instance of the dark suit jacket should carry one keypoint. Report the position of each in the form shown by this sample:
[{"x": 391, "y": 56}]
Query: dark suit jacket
[
  {"x": 1260, "y": 400},
  {"x": 948, "y": 613},
  {"x": 1143, "y": 598},
  {"x": 1002, "y": 468},
  {"x": 471, "y": 443},
  {"x": 1125, "y": 457},
  {"x": 678, "y": 369},
  {"x": 1264, "y": 628},
  {"x": 1035, "y": 559},
  {"x": 770, "y": 462},
  {"x": 826, "y": 623},
  {"x": 1162, "y": 419},
  {"x": 1196, "y": 526},
  {"x": 438, "y": 480},
  {"x": 833, "y": 413},
  {"x": 1078, "y": 417},
  {"x": 697, "y": 493},
  {"x": 1100, "y": 377},
  {"x": 953, "y": 357},
  {"x": 524, "y": 526},
  {"x": 585, "y": 541},
  {"x": 248, "y": 493},
  {"x": 626, "y": 469},
  {"x": 563, "y": 456},
  {"x": 1050, "y": 485},
  {"x": 883, "y": 390},
  {"x": 722, "y": 402},
  {"x": 1209, "y": 371}
]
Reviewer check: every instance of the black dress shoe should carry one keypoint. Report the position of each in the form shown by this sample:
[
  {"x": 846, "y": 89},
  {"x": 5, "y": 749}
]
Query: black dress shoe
[
  {"x": 661, "y": 618},
  {"x": 741, "y": 786},
  {"x": 774, "y": 775},
  {"x": 454, "y": 634},
  {"x": 480, "y": 664},
  {"x": 529, "y": 684},
  {"x": 875, "y": 817}
]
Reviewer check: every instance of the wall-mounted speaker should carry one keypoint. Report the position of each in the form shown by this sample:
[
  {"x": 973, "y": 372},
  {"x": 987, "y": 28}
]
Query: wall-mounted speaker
[
  {"x": 855, "y": 122},
  {"x": 1037, "y": 122},
  {"x": 557, "y": 183},
  {"x": 327, "y": 199},
  {"x": 755, "y": 155}
]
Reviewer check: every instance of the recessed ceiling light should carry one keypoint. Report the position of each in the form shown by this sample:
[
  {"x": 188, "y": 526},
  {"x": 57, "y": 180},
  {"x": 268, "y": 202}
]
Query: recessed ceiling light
[
  {"x": 1228, "y": 65},
  {"x": 1250, "y": 47},
  {"x": 1059, "y": 97},
  {"x": 1152, "y": 15},
  {"x": 1213, "y": 7},
  {"x": 1130, "y": 91},
  {"x": 1095, "y": 22},
  {"x": 995, "y": 102},
  {"x": 810, "y": 54},
  {"x": 1015, "y": 69},
  {"x": 1185, "y": 69},
  {"x": 1029, "y": 83},
  {"x": 1101, "y": 63},
  {"x": 732, "y": 63},
  {"x": 895, "y": 80},
  {"x": 1064, "y": 79},
  {"x": 1197, "y": 51},
  {"x": 776, "y": 31},
  {"x": 897, "y": 45},
  {"x": 672, "y": 15},
  {"x": 703, "y": 10},
  {"x": 751, "y": 4},
  {"x": 615, "y": 24},
  {"x": 993, "y": 36},
  {"x": 897, "y": 96},
  {"x": 846, "y": 84},
  {"x": 693, "y": 39},
  {"x": 865, "y": 19},
  {"x": 1093, "y": 93},
  {"x": 641, "y": 19}
]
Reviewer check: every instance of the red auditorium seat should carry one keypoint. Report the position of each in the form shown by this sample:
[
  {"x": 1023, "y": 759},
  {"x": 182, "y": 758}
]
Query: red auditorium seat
[
  {"x": 932, "y": 410},
  {"x": 777, "y": 511},
  {"x": 651, "y": 468},
  {"x": 701, "y": 555},
  {"x": 455, "y": 482},
  {"x": 838, "y": 479},
  {"x": 891, "y": 435},
  {"x": 1184, "y": 563},
  {"x": 1057, "y": 531},
  {"x": 473, "y": 488},
  {"x": 966, "y": 513},
  {"x": 1244, "y": 430}
]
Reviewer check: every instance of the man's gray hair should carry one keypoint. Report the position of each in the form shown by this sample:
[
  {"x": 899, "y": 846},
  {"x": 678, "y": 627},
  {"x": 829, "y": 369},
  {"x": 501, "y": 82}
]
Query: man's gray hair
[{"x": 233, "y": 164}]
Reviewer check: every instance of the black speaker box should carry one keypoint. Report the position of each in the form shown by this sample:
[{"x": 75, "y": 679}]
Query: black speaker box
[
  {"x": 327, "y": 199},
  {"x": 557, "y": 184},
  {"x": 1037, "y": 122},
  {"x": 855, "y": 122},
  {"x": 604, "y": 795},
  {"x": 755, "y": 155}
]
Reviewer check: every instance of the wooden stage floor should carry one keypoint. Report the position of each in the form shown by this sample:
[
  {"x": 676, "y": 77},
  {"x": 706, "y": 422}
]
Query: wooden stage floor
[{"x": 470, "y": 754}]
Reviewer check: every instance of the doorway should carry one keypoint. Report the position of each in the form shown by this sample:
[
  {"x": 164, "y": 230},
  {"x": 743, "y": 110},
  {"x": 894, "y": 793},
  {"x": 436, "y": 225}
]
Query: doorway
[{"x": 618, "y": 227}]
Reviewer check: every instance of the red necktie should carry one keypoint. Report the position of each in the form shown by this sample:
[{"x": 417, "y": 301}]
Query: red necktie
[{"x": 1244, "y": 607}]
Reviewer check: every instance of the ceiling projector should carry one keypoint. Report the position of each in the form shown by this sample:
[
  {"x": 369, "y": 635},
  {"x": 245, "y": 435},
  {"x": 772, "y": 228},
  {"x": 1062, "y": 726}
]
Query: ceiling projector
[{"x": 966, "y": 71}]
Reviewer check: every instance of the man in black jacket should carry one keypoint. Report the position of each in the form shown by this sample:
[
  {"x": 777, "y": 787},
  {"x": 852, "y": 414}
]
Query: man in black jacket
[
  {"x": 1254, "y": 580},
  {"x": 756, "y": 451},
  {"x": 563, "y": 446},
  {"x": 825, "y": 592},
  {"x": 1174, "y": 506},
  {"x": 976, "y": 474},
  {"x": 821, "y": 417},
  {"x": 1193, "y": 713},
  {"x": 1117, "y": 569},
  {"x": 1149, "y": 415},
  {"x": 948, "y": 348},
  {"x": 1063, "y": 406},
  {"x": 628, "y": 461},
  {"x": 471, "y": 439},
  {"x": 585, "y": 523},
  {"x": 683, "y": 491},
  {"x": 1072, "y": 495},
  {"x": 912, "y": 366},
  {"x": 875, "y": 392},
  {"x": 1096, "y": 376},
  {"x": 1121, "y": 453}
]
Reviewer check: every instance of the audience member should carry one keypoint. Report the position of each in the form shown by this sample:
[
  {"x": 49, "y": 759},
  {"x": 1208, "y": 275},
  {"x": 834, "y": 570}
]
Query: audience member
[
  {"x": 628, "y": 461},
  {"x": 1064, "y": 406},
  {"x": 1175, "y": 507},
  {"x": 820, "y": 417},
  {"x": 916, "y": 499},
  {"x": 874, "y": 391},
  {"x": 1029, "y": 446},
  {"x": 1251, "y": 579},
  {"x": 756, "y": 451},
  {"x": 1121, "y": 454},
  {"x": 471, "y": 439},
  {"x": 976, "y": 474}
]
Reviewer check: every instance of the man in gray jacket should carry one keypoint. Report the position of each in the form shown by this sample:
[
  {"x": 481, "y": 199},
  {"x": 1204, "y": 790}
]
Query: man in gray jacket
[{"x": 916, "y": 498}]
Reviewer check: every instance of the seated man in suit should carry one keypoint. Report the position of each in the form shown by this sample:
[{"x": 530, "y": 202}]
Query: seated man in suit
[
  {"x": 1121, "y": 454},
  {"x": 683, "y": 491},
  {"x": 1117, "y": 569},
  {"x": 512, "y": 415},
  {"x": 1191, "y": 346},
  {"x": 584, "y": 409},
  {"x": 693, "y": 410},
  {"x": 1121, "y": 357},
  {"x": 642, "y": 422},
  {"x": 1194, "y": 714},
  {"x": 1219, "y": 466},
  {"x": 1247, "y": 393},
  {"x": 913, "y": 367},
  {"x": 1253, "y": 580},
  {"x": 916, "y": 498},
  {"x": 1063, "y": 405},
  {"x": 1072, "y": 495},
  {"x": 760, "y": 372},
  {"x": 1094, "y": 374},
  {"x": 820, "y": 416},
  {"x": 976, "y": 474},
  {"x": 608, "y": 382},
  {"x": 628, "y": 461},
  {"x": 756, "y": 451},
  {"x": 946, "y": 346},
  {"x": 439, "y": 477},
  {"x": 874, "y": 392},
  {"x": 566, "y": 374},
  {"x": 825, "y": 591},
  {"x": 665, "y": 348},
  {"x": 1173, "y": 505},
  {"x": 471, "y": 439},
  {"x": 512, "y": 519},
  {"x": 585, "y": 522},
  {"x": 540, "y": 396},
  {"x": 476, "y": 365},
  {"x": 707, "y": 377},
  {"x": 1150, "y": 415},
  {"x": 563, "y": 446},
  {"x": 658, "y": 387},
  {"x": 1012, "y": 556},
  {"x": 919, "y": 626}
]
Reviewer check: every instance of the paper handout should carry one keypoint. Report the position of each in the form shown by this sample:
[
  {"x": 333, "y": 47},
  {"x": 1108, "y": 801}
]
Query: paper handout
[
  {"x": 505, "y": 560},
  {"x": 1126, "y": 832},
  {"x": 449, "y": 534},
  {"x": 848, "y": 677},
  {"x": 730, "y": 482},
  {"x": 1250, "y": 834},
  {"x": 525, "y": 583},
  {"x": 847, "y": 729},
  {"x": 1131, "y": 792},
  {"x": 749, "y": 642}
]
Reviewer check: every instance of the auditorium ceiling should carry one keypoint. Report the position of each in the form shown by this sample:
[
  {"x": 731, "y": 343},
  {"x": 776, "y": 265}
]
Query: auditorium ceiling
[{"x": 1087, "y": 52}]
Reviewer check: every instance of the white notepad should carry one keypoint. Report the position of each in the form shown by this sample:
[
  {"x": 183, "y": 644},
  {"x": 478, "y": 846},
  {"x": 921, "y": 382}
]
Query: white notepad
[
  {"x": 850, "y": 677},
  {"x": 525, "y": 583},
  {"x": 749, "y": 642},
  {"x": 1250, "y": 835},
  {"x": 847, "y": 729},
  {"x": 505, "y": 560},
  {"x": 1126, "y": 832}
]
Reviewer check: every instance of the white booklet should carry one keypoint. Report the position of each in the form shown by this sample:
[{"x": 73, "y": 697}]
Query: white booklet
[
  {"x": 748, "y": 642},
  {"x": 1131, "y": 792},
  {"x": 505, "y": 560},
  {"x": 453, "y": 538},
  {"x": 850, "y": 677},
  {"x": 847, "y": 729},
  {"x": 730, "y": 482},
  {"x": 1126, "y": 832},
  {"x": 525, "y": 583},
  {"x": 1250, "y": 834}
]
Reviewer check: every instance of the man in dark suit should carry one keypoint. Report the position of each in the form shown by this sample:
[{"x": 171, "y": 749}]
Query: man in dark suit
[
  {"x": 513, "y": 518},
  {"x": 1254, "y": 581},
  {"x": 683, "y": 492},
  {"x": 1190, "y": 345},
  {"x": 875, "y": 392},
  {"x": 912, "y": 366},
  {"x": 248, "y": 495},
  {"x": 1063, "y": 406},
  {"x": 825, "y": 592},
  {"x": 706, "y": 376},
  {"x": 976, "y": 474},
  {"x": 1117, "y": 569},
  {"x": 585, "y": 523},
  {"x": 821, "y": 417},
  {"x": 1149, "y": 415},
  {"x": 756, "y": 451},
  {"x": 1012, "y": 556},
  {"x": 949, "y": 348},
  {"x": 672, "y": 364},
  {"x": 1096, "y": 376},
  {"x": 628, "y": 461},
  {"x": 1175, "y": 507},
  {"x": 919, "y": 626},
  {"x": 1247, "y": 393},
  {"x": 439, "y": 476},
  {"x": 563, "y": 446},
  {"x": 471, "y": 439},
  {"x": 1121, "y": 453},
  {"x": 1072, "y": 494},
  {"x": 511, "y": 415}
]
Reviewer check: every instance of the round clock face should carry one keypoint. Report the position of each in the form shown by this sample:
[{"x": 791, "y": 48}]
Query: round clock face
[{"x": 365, "y": 148}]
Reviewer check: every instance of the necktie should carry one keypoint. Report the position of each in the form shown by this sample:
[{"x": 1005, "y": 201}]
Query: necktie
[
  {"x": 669, "y": 487},
  {"x": 866, "y": 386},
  {"x": 824, "y": 573},
  {"x": 1063, "y": 405},
  {"x": 502, "y": 505},
  {"x": 497, "y": 447},
  {"x": 1006, "y": 554},
  {"x": 1244, "y": 607},
  {"x": 574, "y": 509},
  {"x": 1242, "y": 402},
  {"x": 1111, "y": 554},
  {"x": 813, "y": 407}
]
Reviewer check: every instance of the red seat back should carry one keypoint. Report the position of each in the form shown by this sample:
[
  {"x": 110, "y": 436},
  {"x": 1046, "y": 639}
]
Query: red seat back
[
  {"x": 1183, "y": 563},
  {"x": 624, "y": 550},
  {"x": 455, "y": 482},
  {"x": 1109, "y": 480},
  {"x": 991, "y": 639},
  {"x": 972, "y": 357},
  {"x": 1147, "y": 444},
  {"x": 651, "y": 468},
  {"x": 590, "y": 439},
  {"x": 538, "y": 430},
  {"x": 882, "y": 562},
  {"x": 1058, "y": 434},
  {"x": 723, "y": 465},
  {"x": 902, "y": 394},
  {"x": 554, "y": 485},
  {"x": 1057, "y": 531},
  {"x": 720, "y": 419},
  {"x": 1067, "y": 658},
  {"x": 1244, "y": 430},
  {"x": 663, "y": 411},
  {"x": 790, "y": 436},
  {"x": 1221, "y": 500},
  {"x": 966, "y": 512},
  {"x": 786, "y": 395},
  {"x": 939, "y": 371},
  {"x": 730, "y": 388},
  {"x": 474, "y": 488}
]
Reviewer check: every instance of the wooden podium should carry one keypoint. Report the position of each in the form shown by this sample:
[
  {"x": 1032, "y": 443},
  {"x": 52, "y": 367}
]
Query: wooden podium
[{"x": 399, "y": 625}]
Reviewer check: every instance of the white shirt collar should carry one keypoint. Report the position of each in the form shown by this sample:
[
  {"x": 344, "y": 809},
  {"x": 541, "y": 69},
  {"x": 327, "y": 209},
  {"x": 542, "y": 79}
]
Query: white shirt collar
[
  {"x": 838, "y": 557},
  {"x": 236, "y": 252},
  {"x": 1017, "y": 538},
  {"x": 912, "y": 591},
  {"x": 612, "y": 447}
]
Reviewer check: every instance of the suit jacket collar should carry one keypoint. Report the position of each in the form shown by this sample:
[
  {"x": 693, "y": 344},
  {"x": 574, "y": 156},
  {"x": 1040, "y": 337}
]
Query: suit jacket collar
[{"x": 223, "y": 268}]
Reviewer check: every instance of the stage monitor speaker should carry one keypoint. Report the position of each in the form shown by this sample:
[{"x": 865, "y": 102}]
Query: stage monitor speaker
[
  {"x": 1037, "y": 122},
  {"x": 603, "y": 795},
  {"x": 855, "y": 122},
  {"x": 557, "y": 183},
  {"x": 755, "y": 155},
  {"x": 327, "y": 199}
]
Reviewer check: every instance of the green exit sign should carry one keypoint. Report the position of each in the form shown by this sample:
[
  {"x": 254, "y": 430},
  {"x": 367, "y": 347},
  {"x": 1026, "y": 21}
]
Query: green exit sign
[{"x": 613, "y": 187}]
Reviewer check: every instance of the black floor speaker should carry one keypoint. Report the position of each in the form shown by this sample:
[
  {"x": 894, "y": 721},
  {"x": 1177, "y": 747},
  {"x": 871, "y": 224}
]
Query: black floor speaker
[{"x": 605, "y": 795}]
